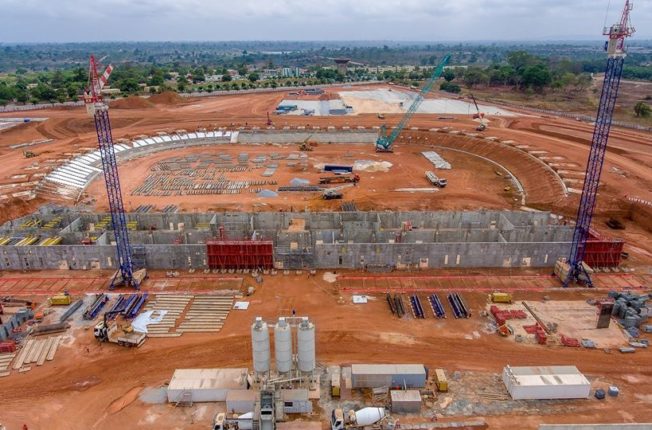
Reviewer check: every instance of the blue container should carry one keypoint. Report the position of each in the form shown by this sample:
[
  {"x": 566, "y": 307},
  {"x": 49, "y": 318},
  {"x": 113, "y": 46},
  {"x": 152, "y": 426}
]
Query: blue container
[{"x": 613, "y": 391}]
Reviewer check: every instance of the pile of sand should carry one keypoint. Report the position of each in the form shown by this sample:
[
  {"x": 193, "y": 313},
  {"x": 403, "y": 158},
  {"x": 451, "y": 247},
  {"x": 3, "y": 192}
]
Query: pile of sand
[
  {"x": 133, "y": 102},
  {"x": 166, "y": 98}
]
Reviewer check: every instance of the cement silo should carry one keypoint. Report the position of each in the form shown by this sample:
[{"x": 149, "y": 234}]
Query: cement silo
[
  {"x": 260, "y": 345},
  {"x": 283, "y": 346},
  {"x": 306, "y": 346}
]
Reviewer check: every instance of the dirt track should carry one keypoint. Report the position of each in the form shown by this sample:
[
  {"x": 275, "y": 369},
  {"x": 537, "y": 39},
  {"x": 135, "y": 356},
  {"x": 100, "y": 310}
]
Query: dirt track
[{"x": 105, "y": 378}]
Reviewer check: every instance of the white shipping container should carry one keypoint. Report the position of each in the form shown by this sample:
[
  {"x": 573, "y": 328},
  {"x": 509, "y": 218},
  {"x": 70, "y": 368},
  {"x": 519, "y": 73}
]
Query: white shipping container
[{"x": 547, "y": 382}]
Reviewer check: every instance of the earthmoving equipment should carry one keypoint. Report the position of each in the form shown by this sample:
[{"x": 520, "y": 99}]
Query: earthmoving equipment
[
  {"x": 335, "y": 192},
  {"x": 615, "y": 48},
  {"x": 118, "y": 332},
  {"x": 381, "y": 116},
  {"x": 305, "y": 146},
  {"x": 29, "y": 154},
  {"x": 99, "y": 110},
  {"x": 500, "y": 298},
  {"x": 478, "y": 115},
  {"x": 384, "y": 142},
  {"x": 361, "y": 419},
  {"x": 436, "y": 180},
  {"x": 331, "y": 194},
  {"x": 340, "y": 179}
]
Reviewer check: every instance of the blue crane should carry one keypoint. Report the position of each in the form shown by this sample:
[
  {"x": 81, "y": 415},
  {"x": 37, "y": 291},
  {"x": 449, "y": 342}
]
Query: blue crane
[
  {"x": 615, "y": 48},
  {"x": 100, "y": 111},
  {"x": 384, "y": 142}
]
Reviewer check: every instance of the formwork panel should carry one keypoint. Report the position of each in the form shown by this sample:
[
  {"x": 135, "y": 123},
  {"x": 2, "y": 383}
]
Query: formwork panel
[
  {"x": 240, "y": 254},
  {"x": 602, "y": 251}
]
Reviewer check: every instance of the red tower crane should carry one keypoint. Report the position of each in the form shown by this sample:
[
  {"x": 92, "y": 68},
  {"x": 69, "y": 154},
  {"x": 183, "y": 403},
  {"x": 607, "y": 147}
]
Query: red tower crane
[{"x": 97, "y": 108}]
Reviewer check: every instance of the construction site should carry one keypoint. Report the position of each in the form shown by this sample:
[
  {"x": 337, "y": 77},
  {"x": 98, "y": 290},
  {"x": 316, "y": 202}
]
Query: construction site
[{"x": 362, "y": 256}]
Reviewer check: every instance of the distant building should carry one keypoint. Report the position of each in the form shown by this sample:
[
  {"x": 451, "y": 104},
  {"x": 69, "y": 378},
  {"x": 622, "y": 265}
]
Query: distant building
[
  {"x": 291, "y": 72},
  {"x": 213, "y": 78},
  {"x": 342, "y": 64},
  {"x": 110, "y": 91}
]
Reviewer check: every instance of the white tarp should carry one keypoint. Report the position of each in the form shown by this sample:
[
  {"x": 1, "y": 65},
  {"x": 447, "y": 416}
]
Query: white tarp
[
  {"x": 141, "y": 322},
  {"x": 359, "y": 300},
  {"x": 241, "y": 306}
]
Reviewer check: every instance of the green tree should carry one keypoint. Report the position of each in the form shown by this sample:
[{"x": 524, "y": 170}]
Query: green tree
[
  {"x": 448, "y": 75},
  {"x": 198, "y": 75},
  {"x": 253, "y": 77},
  {"x": 642, "y": 109},
  {"x": 450, "y": 87},
  {"x": 537, "y": 76},
  {"x": 157, "y": 78},
  {"x": 128, "y": 86},
  {"x": 475, "y": 76},
  {"x": 226, "y": 77}
]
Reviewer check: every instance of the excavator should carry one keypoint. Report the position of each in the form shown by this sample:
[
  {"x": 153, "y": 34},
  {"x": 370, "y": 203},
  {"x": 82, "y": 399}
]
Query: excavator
[
  {"x": 386, "y": 140},
  {"x": 479, "y": 115},
  {"x": 305, "y": 146}
]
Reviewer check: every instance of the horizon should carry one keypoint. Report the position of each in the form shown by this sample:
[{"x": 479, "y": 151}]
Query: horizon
[{"x": 74, "y": 21}]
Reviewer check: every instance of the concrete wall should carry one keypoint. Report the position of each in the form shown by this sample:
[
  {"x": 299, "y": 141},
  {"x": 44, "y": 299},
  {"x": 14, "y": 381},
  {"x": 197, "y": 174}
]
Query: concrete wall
[
  {"x": 354, "y": 240},
  {"x": 320, "y": 136}
]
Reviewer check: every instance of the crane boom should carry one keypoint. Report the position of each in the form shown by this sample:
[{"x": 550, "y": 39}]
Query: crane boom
[
  {"x": 616, "y": 57},
  {"x": 384, "y": 142},
  {"x": 100, "y": 112}
]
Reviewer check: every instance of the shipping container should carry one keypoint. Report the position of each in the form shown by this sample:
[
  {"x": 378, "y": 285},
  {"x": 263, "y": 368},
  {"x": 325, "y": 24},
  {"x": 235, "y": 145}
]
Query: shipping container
[
  {"x": 406, "y": 401},
  {"x": 547, "y": 382},
  {"x": 501, "y": 298},
  {"x": 61, "y": 300},
  {"x": 240, "y": 401},
  {"x": 388, "y": 375},
  {"x": 441, "y": 381}
]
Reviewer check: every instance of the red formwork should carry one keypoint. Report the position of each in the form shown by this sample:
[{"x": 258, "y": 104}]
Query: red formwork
[
  {"x": 602, "y": 251},
  {"x": 240, "y": 254}
]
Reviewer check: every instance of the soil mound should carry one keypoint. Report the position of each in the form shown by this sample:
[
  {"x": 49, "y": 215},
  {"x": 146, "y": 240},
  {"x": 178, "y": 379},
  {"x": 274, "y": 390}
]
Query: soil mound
[
  {"x": 131, "y": 103},
  {"x": 166, "y": 98}
]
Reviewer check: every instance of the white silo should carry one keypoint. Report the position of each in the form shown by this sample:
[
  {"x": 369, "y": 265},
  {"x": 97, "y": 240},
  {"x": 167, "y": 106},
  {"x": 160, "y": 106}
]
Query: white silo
[
  {"x": 260, "y": 345},
  {"x": 306, "y": 346},
  {"x": 283, "y": 346}
]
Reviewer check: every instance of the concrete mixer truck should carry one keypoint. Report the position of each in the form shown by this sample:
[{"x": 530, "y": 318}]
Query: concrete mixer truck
[{"x": 361, "y": 419}]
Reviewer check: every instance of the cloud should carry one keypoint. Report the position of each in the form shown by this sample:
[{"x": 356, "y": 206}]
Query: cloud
[{"x": 432, "y": 20}]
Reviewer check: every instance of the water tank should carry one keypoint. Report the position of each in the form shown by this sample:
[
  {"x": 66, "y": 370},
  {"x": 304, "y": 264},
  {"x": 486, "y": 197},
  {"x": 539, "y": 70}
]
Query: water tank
[
  {"x": 306, "y": 346},
  {"x": 283, "y": 346},
  {"x": 260, "y": 345},
  {"x": 369, "y": 416}
]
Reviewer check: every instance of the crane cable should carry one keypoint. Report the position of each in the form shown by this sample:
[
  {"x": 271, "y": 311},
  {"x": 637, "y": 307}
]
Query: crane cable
[{"x": 606, "y": 14}]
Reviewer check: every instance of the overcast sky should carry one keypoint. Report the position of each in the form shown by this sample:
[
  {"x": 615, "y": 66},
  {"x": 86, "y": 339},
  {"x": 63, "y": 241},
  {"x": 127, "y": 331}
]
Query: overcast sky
[{"x": 215, "y": 20}]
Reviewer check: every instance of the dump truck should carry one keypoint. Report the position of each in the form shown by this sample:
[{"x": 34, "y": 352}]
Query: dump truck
[
  {"x": 436, "y": 180},
  {"x": 500, "y": 297},
  {"x": 340, "y": 179},
  {"x": 63, "y": 299},
  {"x": 440, "y": 380},
  {"x": 115, "y": 332},
  {"x": 364, "y": 418}
]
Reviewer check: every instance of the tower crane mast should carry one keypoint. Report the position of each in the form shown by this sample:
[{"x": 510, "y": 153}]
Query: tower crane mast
[
  {"x": 99, "y": 110},
  {"x": 615, "y": 48}
]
